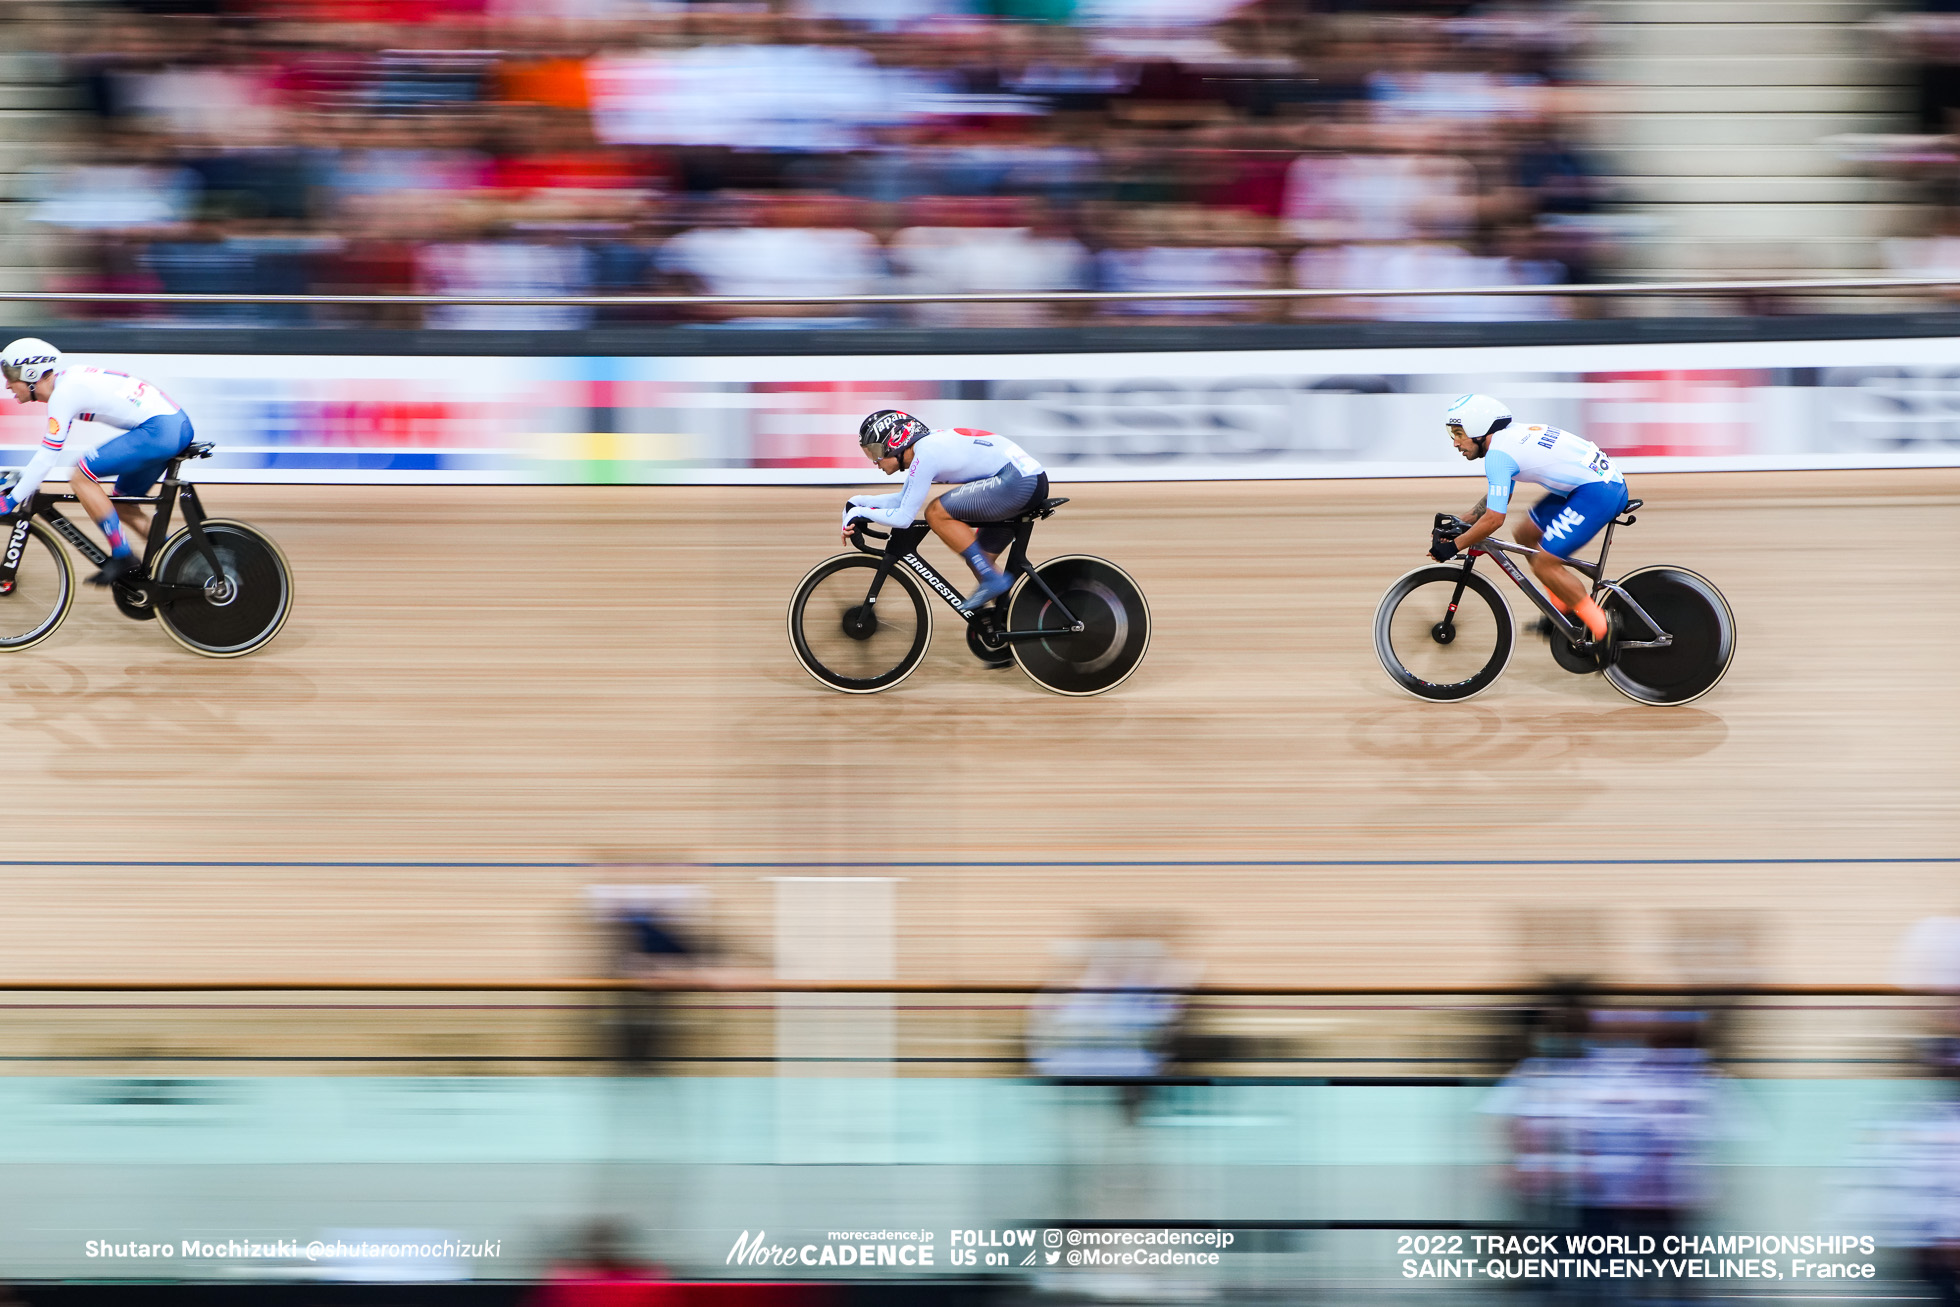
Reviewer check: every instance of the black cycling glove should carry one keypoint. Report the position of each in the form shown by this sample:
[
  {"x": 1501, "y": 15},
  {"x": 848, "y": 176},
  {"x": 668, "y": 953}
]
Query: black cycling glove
[{"x": 1443, "y": 550}]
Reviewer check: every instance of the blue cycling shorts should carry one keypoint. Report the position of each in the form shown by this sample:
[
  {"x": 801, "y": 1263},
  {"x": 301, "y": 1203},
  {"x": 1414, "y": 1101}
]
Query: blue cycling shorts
[
  {"x": 138, "y": 456},
  {"x": 1569, "y": 520}
]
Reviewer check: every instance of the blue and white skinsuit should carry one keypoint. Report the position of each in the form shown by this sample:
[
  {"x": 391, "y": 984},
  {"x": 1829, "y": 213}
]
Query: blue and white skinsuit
[{"x": 1587, "y": 490}]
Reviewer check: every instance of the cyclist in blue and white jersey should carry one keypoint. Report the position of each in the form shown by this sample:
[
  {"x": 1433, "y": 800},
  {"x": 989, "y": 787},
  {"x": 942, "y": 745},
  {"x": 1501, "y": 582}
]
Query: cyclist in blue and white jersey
[
  {"x": 1587, "y": 492},
  {"x": 992, "y": 478},
  {"x": 145, "y": 430}
]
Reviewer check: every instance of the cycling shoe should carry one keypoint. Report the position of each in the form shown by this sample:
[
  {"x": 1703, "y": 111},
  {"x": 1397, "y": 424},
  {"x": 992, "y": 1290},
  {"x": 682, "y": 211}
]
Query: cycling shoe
[
  {"x": 118, "y": 568},
  {"x": 987, "y": 591}
]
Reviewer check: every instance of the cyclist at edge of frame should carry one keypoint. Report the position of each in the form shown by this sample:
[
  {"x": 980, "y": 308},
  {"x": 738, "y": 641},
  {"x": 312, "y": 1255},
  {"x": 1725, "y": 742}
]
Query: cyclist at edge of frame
[
  {"x": 992, "y": 478},
  {"x": 148, "y": 430},
  {"x": 1587, "y": 492}
]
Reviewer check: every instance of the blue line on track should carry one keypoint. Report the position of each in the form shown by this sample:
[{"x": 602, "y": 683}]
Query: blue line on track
[{"x": 1012, "y": 864}]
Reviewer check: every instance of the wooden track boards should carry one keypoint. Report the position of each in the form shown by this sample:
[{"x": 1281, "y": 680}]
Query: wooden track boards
[{"x": 566, "y": 675}]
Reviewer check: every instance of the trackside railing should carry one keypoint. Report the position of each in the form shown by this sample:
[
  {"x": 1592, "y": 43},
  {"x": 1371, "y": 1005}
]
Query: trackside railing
[
  {"x": 1607, "y": 289},
  {"x": 740, "y": 1025}
]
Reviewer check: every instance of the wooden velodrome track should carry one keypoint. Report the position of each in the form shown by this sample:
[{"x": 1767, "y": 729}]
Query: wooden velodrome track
[{"x": 601, "y": 675}]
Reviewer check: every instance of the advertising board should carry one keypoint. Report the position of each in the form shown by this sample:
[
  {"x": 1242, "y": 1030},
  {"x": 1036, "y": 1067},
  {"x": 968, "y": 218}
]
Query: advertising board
[{"x": 1229, "y": 414}]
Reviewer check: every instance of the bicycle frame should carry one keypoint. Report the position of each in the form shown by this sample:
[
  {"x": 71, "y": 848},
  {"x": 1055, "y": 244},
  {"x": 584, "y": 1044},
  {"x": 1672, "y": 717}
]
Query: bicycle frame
[
  {"x": 1574, "y": 631},
  {"x": 172, "y": 490},
  {"x": 902, "y": 545}
]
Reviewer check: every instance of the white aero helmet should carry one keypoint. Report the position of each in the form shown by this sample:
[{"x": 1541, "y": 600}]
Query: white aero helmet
[
  {"x": 1476, "y": 416},
  {"x": 28, "y": 359}
]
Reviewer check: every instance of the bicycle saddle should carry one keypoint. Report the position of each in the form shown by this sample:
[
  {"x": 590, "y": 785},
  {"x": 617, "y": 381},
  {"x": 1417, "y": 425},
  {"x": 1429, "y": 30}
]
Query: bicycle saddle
[
  {"x": 1046, "y": 507},
  {"x": 1626, "y": 514},
  {"x": 199, "y": 449}
]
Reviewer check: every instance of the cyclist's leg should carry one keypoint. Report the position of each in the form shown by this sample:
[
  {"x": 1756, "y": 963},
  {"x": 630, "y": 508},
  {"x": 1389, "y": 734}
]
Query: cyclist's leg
[
  {"x": 987, "y": 500},
  {"x": 995, "y": 537},
  {"x": 959, "y": 537},
  {"x": 1531, "y": 534},
  {"x": 1577, "y": 519},
  {"x": 136, "y": 458}
]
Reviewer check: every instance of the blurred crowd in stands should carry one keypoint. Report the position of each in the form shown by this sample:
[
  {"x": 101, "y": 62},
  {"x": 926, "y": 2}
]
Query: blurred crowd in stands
[
  {"x": 1925, "y": 38},
  {"x": 822, "y": 147}
]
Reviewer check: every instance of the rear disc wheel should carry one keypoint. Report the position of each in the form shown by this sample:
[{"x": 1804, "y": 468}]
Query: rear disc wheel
[
  {"x": 1688, "y": 607},
  {"x": 236, "y": 608},
  {"x": 1115, "y": 621}
]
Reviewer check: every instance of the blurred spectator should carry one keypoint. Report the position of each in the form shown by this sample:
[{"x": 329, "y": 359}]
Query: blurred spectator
[
  {"x": 1378, "y": 197},
  {"x": 791, "y": 244},
  {"x": 830, "y": 147},
  {"x": 1611, "y": 1119},
  {"x": 504, "y": 262},
  {"x": 975, "y": 246},
  {"x": 1170, "y": 248},
  {"x": 1934, "y": 255},
  {"x": 1910, "y": 1190},
  {"x": 1119, "y": 1021},
  {"x": 1416, "y": 265},
  {"x": 652, "y": 933},
  {"x": 601, "y": 1272},
  {"x": 124, "y": 197}
]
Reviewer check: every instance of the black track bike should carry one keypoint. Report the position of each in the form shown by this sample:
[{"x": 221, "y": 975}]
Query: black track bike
[
  {"x": 217, "y": 587},
  {"x": 860, "y": 622},
  {"x": 1444, "y": 632}
]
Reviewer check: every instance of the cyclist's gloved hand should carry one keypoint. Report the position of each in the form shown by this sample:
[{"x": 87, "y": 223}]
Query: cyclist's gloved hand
[{"x": 1443, "y": 550}]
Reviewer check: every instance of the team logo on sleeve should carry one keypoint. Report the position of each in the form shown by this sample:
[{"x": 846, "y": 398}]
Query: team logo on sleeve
[{"x": 54, "y": 427}]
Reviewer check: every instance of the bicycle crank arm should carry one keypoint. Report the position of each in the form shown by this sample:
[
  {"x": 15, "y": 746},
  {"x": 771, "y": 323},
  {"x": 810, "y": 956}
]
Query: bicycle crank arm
[
  {"x": 1664, "y": 642},
  {"x": 163, "y": 592}
]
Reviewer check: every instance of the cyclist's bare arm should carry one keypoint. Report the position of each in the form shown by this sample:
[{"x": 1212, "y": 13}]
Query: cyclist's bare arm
[{"x": 1480, "y": 528}]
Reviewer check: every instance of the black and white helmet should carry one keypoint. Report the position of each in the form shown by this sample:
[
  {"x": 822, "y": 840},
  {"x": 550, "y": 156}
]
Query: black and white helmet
[
  {"x": 28, "y": 359},
  {"x": 889, "y": 431}
]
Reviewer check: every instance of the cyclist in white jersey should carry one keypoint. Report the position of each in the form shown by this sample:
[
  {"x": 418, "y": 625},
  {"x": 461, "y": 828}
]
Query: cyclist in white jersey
[
  {"x": 1587, "y": 492},
  {"x": 146, "y": 430},
  {"x": 992, "y": 478}
]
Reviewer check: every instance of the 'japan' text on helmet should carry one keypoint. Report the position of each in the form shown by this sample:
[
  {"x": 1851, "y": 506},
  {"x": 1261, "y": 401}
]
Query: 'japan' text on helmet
[
  {"x": 28, "y": 359},
  {"x": 890, "y": 431},
  {"x": 1476, "y": 416}
]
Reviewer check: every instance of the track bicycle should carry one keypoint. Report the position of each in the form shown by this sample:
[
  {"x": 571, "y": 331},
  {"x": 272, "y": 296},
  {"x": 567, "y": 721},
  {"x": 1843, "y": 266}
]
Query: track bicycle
[
  {"x": 219, "y": 588},
  {"x": 1444, "y": 632},
  {"x": 860, "y": 622}
]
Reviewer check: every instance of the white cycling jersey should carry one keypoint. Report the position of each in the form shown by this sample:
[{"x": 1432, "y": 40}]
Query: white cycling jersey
[
  {"x": 112, "y": 399},
  {"x": 953, "y": 456},
  {"x": 1545, "y": 456}
]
